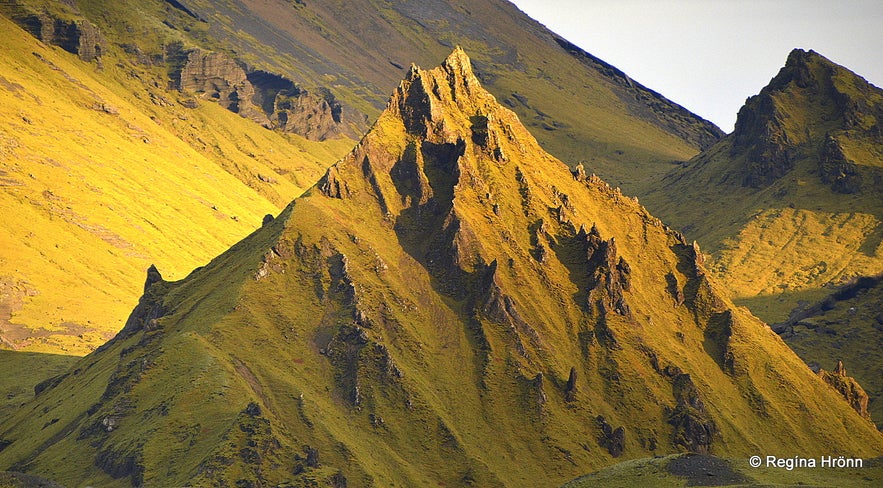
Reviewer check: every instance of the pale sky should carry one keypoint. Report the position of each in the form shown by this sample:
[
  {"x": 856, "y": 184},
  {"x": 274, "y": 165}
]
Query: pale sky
[{"x": 710, "y": 55}]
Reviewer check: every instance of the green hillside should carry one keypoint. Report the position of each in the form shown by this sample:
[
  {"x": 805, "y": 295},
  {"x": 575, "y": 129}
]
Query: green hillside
[
  {"x": 789, "y": 203},
  {"x": 846, "y": 326},
  {"x": 576, "y": 105},
  {"x": 448, "y": 305},
  {"x": 695, "y": 470}
]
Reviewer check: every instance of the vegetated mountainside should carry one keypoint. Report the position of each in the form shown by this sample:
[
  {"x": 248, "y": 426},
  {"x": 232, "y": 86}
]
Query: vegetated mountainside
[
  {"x": 846, "y": 326},
  {"x": 449, "y": 304},
  {"x": 104, "y": 170},
  {"x": 577, "y": 106},
  {"x": 690, "y": 469},
  {"x": 790, "y": 202}
]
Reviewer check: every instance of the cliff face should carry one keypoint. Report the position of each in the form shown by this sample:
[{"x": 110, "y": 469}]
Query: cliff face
[
  {"x": 76, "y": 36},
  {"x": 266, "y": 98},
  {"x": 446, "y": 299}
]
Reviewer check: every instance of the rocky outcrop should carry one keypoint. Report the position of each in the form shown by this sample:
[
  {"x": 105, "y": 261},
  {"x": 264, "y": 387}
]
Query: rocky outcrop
[
  {"x": 694, "y": 430},
  {"x": 76, "y": 36},
  {"x": 761, "y": 135},
  {"x": 847, "y": 386},
  {"x": 837, "y": 170},
  {"x": 267, "y": 98},
  {"x": 216, "y": 76},
  {"x": 315, "y": 117},
  {"x": 609, "y": 438},
  {"x": 150, "y": 306},
  {"x": 500, "y": 308},
  {"x": 610, "y": 273}
]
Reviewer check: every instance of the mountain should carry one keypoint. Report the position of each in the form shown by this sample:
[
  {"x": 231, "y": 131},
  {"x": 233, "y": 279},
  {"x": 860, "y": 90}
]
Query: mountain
[
  {"x": 144, "y": 86},
  {"x": 789, "y": 203},
  {"x": 450, "y": 305}
]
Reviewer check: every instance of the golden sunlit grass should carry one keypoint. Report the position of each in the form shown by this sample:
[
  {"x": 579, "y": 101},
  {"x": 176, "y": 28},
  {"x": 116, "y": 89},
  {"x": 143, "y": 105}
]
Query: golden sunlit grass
[{"x": 98, "y": 184}]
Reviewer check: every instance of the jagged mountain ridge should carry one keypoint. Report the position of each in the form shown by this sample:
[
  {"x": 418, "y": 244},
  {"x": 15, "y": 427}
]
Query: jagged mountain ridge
[
  {"x": 313, "y": 71},
  {"x": 448, "y": 304},
  {"x": 789, "y": 203}
]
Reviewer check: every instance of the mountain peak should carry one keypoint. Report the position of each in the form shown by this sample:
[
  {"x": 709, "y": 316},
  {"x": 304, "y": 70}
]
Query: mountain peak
[
  {"x": 425, "y": 96},
  {"x": 809, "y": 102}
]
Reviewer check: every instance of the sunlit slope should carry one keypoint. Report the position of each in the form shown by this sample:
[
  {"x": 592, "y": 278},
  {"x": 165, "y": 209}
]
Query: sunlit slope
[
  {"x": 790, "y": 203},
  {"x": 94, "y": 190},
  {"x": 449, "y": 305},
  {"x": 577, "y": 106}
]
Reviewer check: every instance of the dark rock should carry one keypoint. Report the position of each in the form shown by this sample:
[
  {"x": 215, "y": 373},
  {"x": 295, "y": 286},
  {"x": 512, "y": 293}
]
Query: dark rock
[
  {"x": 218, "y": 77},
  {"x": 267, "y": 219},
  {"x": 694, "y": 430},
  {"x": 153, "y": 276},
  {"x": 848, "y": 387},
  {"x": 674, "y": 289},
  {"x": 49, "y": 383},
  {"x": 609, "y": 277},
  {"x": 316, "y": 117},
  {"x": 79, "y": 37},
  {"x": 570, "y": 388},
  {"x": 312, "y": 459},
  {"x": 149, "y": 309},
  {"x": 500, "y": 308},
  {"x": 611, "y": 439},
  {"x": 253, "y": 409},
  {"x": 338, "y": 480},
  {"x": 121, "y": 465},
  {"x": 839, "y": 172}
]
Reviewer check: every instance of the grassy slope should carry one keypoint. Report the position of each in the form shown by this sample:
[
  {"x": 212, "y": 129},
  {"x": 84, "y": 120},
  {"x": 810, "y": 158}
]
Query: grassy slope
[
  {"x": 850, "y": 330},
  {"x": 655, "y": 472},
  {"x": 784, "y": 243},
  {"x": 435, "y": 404},
  {"x": 103, "y": 174}
]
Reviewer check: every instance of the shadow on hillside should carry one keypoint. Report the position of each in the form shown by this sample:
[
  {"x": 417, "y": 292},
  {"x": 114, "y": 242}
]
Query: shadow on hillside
[
  {"x": 769, "y": 308},
  {"x": 21, "y": 371}
]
